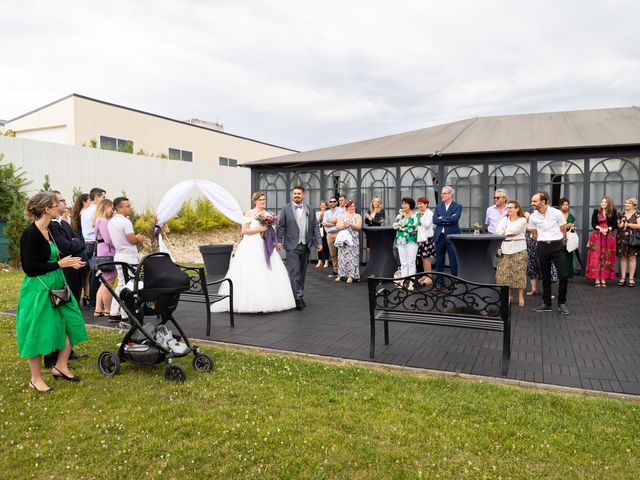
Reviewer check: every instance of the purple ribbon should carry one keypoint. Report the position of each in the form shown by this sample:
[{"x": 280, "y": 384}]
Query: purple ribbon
[{"x": 269, "y": 244}]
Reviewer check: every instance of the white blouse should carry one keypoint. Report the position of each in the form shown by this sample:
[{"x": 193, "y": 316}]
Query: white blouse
[
  {"x": 426, "y": 224},
  {"x": 514, "y": 231}
]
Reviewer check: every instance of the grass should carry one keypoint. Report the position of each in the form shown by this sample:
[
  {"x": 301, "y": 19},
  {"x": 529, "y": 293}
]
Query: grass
[{"x": 275, "y": 416}]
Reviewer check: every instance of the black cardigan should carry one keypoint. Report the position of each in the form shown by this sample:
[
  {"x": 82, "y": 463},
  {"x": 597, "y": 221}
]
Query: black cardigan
[
  {"x": 35, "y": 252},
  {"x": 612, "y": 221}
]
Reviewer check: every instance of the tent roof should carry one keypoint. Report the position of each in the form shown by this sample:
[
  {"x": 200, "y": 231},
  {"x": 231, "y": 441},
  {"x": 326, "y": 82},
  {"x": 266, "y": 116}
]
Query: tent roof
[{"x": 503, "y": 133}]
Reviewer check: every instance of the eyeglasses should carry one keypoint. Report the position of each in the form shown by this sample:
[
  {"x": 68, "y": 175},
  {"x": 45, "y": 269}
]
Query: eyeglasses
[
  {"x": 332, "y": 201},
  {"x": 496, "y": 198}
]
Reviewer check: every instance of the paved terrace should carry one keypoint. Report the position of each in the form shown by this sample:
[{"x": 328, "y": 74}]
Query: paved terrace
[{"x": 597, "y": 347}]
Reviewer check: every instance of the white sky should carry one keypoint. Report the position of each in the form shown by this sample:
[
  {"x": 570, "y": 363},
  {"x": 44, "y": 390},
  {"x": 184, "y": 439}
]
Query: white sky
[{"x": 310, "y": 74}]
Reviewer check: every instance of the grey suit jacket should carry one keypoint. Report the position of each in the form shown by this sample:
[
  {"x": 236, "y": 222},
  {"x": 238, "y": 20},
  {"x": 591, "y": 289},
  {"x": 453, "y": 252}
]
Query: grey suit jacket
[{"x": 287, "y": 230}]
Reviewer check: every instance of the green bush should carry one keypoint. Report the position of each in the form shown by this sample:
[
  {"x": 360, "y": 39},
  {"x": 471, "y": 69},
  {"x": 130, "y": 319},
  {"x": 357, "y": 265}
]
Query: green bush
[
  {"x": 16, "y": 223},
  {"x": 198, "y": 216}
]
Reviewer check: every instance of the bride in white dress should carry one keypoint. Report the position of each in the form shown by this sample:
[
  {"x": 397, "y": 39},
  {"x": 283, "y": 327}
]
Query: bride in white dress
[{"x": 256, "y": 286}]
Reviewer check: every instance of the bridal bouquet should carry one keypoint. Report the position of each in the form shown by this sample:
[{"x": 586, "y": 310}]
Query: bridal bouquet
[{"x": 268, "y": 220}]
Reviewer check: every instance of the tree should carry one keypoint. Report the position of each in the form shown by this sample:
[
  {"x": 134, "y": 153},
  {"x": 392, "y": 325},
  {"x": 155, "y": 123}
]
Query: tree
[
  {"x": 12, "y": 184},
  {"x": 46, "y": 186}
]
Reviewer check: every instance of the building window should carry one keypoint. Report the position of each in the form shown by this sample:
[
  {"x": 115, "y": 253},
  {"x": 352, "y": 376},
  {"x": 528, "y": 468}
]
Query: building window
[
  {"x": 177, "y": 154},
  {"x": 227, "y": 162},
  {"x": 116, "y": 144}
]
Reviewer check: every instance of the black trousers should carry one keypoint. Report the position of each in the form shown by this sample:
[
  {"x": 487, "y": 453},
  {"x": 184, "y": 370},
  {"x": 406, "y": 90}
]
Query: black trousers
[
  {"x": 549, "y": 252},
  {"x": 94, "y": 283}
]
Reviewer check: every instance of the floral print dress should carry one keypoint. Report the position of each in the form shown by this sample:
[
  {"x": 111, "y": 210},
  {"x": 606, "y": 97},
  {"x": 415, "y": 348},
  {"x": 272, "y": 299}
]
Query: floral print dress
[{"x": 349, "y": 255}]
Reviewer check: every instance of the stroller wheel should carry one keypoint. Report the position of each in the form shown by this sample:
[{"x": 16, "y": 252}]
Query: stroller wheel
[
  {"x": 202, "y": 362},
  {"x": 109, "y": 363},
  {"x": 175, "y": 373}
]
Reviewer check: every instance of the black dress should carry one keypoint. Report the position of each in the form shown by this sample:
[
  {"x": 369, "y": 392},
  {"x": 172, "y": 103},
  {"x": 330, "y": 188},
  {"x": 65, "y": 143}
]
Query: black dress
[{"x": 376, "y": 221}]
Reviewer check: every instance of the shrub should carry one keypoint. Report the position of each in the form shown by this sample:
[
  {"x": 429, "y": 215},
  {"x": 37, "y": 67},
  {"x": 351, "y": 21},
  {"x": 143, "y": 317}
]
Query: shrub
[
  {"x": 16, "y": 223},
  {"x": 198, "y": 216}
]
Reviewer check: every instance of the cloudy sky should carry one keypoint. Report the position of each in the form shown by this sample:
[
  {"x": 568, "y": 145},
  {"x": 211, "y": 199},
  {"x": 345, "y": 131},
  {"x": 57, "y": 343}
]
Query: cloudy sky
[{"x": 310, "y": 74}]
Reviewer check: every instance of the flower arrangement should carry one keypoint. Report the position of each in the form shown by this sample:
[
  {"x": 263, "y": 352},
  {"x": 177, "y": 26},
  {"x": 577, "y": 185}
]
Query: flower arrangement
[
  {"x": 268, "y": 220},
  {"x": 477, "y": 226}
]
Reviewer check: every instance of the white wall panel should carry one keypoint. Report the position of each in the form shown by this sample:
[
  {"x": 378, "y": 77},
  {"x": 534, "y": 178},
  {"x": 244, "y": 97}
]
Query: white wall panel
[{"x": 144, "y": 179}]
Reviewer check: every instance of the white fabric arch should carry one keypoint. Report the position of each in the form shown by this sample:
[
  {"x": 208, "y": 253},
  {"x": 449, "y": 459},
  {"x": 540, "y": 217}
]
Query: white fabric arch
[{"x": 173, "y": 200}]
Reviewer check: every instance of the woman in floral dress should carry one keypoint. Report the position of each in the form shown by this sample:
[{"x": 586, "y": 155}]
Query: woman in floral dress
[
  {"x": 349, "y": 248},
  {"x": 627, "y": 224},
  {"x": 601, "y": 258}
]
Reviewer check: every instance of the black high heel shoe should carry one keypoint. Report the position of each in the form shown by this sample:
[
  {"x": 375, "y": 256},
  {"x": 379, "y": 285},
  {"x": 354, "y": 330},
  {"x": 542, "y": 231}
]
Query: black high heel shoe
[
  {"x": 85, "y": 301},
  {"x": 60, "y": 375},
  {"x": 31, "y": 385}
]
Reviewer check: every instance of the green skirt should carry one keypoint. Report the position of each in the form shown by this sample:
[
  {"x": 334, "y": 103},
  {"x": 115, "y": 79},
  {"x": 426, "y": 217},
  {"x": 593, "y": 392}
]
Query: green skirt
[{"x": 40, "y": 328}]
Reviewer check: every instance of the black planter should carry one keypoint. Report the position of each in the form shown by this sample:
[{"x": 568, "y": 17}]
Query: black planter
[{"x": 216, "y": 258}]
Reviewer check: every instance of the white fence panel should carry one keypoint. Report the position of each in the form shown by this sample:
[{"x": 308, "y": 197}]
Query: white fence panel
[{"x": 144, "y": 179}]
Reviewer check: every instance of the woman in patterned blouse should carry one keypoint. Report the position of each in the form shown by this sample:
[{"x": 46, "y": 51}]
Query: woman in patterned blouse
[{"x": 406, "y": 226}]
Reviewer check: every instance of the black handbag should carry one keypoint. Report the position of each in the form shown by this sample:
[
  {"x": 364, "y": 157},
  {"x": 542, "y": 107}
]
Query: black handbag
[
  {"x": 59, "y": 296},
  {"x": 95, "y": 262},
  {"x": 634, "y": 238}
]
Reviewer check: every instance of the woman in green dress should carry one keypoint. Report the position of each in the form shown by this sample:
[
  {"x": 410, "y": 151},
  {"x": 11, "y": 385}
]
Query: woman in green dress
[
  {"x": 571, "y": 223},
  {"x": 41, "y": 328}
]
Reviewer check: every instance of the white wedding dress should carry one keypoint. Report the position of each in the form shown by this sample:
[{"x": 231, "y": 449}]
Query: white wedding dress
[{"x": 256, "y": 288}]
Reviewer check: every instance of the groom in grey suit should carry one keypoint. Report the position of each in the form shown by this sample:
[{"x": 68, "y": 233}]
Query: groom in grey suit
[{"x": 299, "y": 233}]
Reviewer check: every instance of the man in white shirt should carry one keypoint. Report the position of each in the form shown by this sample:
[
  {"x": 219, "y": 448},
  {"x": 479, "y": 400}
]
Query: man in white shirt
[
  {"x": 549, "y": 227},
  {"x": 124, "y": 240},
  {"x": 329, "y": 223},
  {"x": 96, "y": 195}
]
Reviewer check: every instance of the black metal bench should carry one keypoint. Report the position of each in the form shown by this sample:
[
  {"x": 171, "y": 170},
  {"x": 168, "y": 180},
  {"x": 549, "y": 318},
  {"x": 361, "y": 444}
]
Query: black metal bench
[
  {"x": 199, "y": 292},
  {"x": 440, "y": 299}
]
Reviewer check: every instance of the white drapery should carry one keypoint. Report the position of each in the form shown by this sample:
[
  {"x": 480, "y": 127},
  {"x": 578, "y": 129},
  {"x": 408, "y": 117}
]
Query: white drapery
[{"x": 173, "y": 200}]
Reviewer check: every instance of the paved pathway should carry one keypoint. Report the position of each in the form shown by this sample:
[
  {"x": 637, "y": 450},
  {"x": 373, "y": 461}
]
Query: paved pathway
[{"x": 597, "y": 347}]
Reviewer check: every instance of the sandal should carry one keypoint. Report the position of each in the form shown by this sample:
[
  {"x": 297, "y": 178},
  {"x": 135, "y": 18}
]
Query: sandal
[
  {"x": 349, "y": 280},
  {"x": 338, "y": 279},
  {"x": 632, "y": 283},
  {"x": 521, "y": 304},
  {"x": 622, "y": 282},
  {"x": 98, "y": 314},
  {"x": 531, "y": 293},
  {"x": 598, "y": 284}
]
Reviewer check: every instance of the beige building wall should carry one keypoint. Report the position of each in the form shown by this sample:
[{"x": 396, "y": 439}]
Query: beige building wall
[
  {"x": 77, "y": 120},
  {"x": 51, "y": 123}
]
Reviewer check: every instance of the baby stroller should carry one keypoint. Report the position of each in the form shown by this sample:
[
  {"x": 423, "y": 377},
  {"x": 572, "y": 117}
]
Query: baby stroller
[{"x": 152, "y": 290}]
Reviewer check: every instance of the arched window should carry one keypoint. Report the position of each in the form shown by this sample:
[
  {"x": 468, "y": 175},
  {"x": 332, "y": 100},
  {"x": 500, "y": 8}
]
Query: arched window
[
  {"x": 615, "y": 177},
  {"x": 341, "y": 182},
  {"x": 466, "y": 180},
  {"x": 275, "y": 188},
  {"x": 514, "y": 178},
  {"x": 311, "y": 183},
  {"x": 418, "y": 182},
  {"x": 378, "y": 182}
]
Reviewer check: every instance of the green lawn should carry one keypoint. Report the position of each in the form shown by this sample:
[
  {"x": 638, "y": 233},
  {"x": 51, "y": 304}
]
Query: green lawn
[{"x": 274, "y": 416}]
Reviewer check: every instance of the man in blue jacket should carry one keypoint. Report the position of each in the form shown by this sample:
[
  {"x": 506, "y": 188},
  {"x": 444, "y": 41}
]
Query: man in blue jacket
[{"x": 446, "y": 218}]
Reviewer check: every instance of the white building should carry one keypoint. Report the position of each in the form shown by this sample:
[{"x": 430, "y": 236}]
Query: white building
[{"x": 139, "y": 152}]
